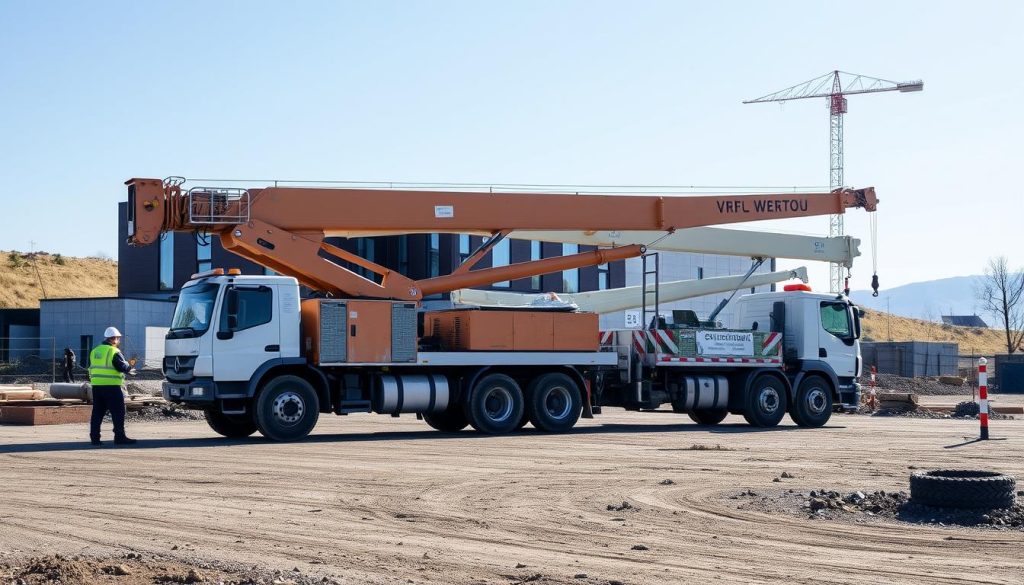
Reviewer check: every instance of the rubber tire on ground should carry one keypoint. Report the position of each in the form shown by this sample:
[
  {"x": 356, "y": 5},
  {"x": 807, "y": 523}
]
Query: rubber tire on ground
[
  {"x": 487, "y": 393},
  {"x": 959, "y": 488},
  {"x": 450, "y": 420},
  {"x": 812, "y": 406},
  {"x": 764, "y": 391},
  {"x": 232, "y": 426},
  {"x": 708, "y": 416},
  {"x": 274, "y": 428},
  {"x": 540, "y": 402}
]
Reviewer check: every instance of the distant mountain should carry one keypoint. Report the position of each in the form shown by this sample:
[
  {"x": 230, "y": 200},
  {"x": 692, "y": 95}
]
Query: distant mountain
[{"x": 926, "y": 300}]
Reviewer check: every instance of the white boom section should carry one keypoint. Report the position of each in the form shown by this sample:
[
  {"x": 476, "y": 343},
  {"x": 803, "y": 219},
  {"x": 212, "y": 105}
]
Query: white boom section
[
  {"x": 620, "y": 299},
  {"x": 712, "y": 240}
]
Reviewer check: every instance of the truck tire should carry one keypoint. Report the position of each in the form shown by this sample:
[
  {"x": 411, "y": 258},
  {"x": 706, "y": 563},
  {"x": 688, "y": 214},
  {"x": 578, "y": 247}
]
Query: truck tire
[
  {"x": 232, "y": 426},
  {"x": 450, "y": 420},
  {"x": 812, "y": 406},
  {"x": 711, "y": 416},
  {"x": 765, "y": 402},
  {"x": 959, "y": 488},
  {"x": 287, "y": 409},
  {"x": 495, "y": 405},
  {"x": 553, "y": 402}
]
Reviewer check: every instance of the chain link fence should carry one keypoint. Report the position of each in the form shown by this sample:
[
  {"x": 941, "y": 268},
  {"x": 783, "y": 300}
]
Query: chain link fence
[{"x": 40, "y": 360}]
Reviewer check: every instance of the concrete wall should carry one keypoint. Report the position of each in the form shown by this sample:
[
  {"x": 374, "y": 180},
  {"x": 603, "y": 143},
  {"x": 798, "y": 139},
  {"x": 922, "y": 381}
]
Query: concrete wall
[
  {"x": 23, "y": 342},
  {"x": 67, "y": 320},
  {"x": 911, "y": 358}
]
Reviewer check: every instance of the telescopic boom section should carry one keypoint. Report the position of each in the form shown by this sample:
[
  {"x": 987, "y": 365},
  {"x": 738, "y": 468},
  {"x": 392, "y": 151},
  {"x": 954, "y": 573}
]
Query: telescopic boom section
[{"x": 283, "y": 228}]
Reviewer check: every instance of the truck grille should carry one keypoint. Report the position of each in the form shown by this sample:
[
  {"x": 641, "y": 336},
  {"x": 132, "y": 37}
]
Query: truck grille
[{"x": 179, "y": 368}]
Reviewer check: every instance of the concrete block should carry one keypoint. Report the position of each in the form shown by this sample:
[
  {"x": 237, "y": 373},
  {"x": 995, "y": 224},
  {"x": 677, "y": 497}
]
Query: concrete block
[{"x": 44, "y": 415}]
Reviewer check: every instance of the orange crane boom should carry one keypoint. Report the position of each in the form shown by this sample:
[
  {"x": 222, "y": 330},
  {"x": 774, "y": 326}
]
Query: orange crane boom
[{"x": 283, "y": 228}]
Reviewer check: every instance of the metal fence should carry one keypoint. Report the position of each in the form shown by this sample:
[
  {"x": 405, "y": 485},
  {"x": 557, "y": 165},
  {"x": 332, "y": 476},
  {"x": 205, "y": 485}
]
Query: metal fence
[
  {"x": 41, "y": 360},
  {"x": 30, "y": 359}
]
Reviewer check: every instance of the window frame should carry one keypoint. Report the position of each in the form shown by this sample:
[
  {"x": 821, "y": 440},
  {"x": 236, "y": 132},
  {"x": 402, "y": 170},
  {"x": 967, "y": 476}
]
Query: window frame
[
  {"x": 223, "y": 325},
  {"x": 850, "y": 329}
]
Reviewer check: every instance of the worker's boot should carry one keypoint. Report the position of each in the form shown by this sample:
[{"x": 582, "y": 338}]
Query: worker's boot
[
  {"x": 124, "y": 440},
  {"x": 96, "y": 442}
]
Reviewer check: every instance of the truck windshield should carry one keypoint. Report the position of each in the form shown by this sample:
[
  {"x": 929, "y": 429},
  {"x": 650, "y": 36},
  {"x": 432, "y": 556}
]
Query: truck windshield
[
  {"x": 835, "y": 318},
  {"x": 194, "y": 310}
]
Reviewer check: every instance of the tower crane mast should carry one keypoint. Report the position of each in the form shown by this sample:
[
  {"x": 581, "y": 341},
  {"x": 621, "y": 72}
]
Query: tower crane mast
[{"x": 835, "y": 86}]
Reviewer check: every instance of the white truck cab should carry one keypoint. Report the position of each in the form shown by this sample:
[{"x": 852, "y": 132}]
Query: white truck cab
[
  {"x": 227, "y": 327},
  {"x": 820, "y": 333}
]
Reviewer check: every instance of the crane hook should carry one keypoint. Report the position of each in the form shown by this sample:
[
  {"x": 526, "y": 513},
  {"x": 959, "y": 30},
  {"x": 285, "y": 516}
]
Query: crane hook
[{"x": 874, "y": 284}]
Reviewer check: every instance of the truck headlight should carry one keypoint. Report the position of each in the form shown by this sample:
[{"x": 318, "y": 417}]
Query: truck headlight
[{"x": 197, "y": 391}]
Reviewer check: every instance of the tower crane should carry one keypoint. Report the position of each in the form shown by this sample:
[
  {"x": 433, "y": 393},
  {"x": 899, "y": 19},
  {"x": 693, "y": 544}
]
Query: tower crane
[{"x": 835, "y": 86}]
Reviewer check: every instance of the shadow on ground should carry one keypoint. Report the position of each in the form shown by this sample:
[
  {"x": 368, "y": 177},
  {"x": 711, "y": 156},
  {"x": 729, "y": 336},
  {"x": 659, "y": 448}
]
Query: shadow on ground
[{"x": 216, "y": 441}]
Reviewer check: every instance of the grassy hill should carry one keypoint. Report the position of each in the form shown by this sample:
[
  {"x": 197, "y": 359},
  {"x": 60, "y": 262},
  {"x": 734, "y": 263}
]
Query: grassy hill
[
  {"x": 880, "y": 326},
  {"x": 61, "y": 277}
]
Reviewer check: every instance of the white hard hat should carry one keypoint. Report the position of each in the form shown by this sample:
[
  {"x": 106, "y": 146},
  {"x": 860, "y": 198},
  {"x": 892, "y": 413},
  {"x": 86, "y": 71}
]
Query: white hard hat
[{"x": 111, "y": 332}]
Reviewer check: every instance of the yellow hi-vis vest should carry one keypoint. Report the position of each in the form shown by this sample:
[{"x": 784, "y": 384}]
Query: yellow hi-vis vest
[{"x": 101, "y": 367}]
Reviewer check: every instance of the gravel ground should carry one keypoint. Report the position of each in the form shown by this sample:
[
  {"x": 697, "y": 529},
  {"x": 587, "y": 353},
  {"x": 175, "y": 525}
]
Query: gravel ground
[{"x": 383, "y": 501}]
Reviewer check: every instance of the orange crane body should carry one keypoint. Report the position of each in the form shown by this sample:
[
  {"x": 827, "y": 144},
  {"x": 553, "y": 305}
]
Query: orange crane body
[{"x": 283, "y": 228}]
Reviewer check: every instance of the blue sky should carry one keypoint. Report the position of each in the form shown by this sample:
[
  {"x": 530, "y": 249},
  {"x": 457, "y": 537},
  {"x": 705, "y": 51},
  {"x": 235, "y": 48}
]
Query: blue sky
[{"x": 527, "y": 92}]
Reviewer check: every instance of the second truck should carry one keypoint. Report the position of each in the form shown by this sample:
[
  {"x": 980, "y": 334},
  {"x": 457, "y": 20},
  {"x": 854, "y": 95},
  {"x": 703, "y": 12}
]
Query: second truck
[{"x": 256, "y": 355}]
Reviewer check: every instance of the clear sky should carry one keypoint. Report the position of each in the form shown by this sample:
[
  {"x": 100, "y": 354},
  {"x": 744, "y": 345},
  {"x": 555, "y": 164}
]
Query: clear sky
[{"x": 92, "y": 93}]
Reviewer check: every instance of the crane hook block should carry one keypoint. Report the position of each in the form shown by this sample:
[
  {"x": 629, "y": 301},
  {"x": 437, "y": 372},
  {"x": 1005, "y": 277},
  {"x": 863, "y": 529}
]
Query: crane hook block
[{"x": 874, "y": 285}]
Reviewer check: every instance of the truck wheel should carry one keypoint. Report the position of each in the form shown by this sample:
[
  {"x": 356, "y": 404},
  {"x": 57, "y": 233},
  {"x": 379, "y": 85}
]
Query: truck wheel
[
  {"x": 495, "y": 405},
  {"x": 553, "y": 403},
  {"x": 233, "y": 426},
  {"x": 711, "y": 416},
  {"x": 765, "y": 403},
  {"x": 287, "y": 409},
  {"x": 813, "y": 404},
  {"x": 450, "y": 420}
]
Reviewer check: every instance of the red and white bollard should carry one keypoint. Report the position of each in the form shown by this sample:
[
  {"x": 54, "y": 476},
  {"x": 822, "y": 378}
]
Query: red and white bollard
[
  {"x": 983, "y": 397},
  {"x": 871, "y": 390}
]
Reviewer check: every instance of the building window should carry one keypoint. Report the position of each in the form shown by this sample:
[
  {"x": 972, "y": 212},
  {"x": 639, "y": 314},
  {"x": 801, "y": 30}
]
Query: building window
[
  {"x": 570, "y": 278},
  {"x": 403, "y": 255},
  {"x": 603, "y": 277},
  {"x": 85, "y": 348},
  {"x": 167, "y": 261},
  {"x": 500, "y": 257},
  {"x": 434, "y": 255},
  {"x": 463, "y": 247},
  {"x": 535, "y": 255},
  {"x": 366, "y": 249},
  {"x": 204, "y": 257}
]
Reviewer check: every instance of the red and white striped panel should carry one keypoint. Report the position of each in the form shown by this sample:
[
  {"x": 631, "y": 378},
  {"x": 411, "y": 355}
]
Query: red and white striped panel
[
  {"x": 719, "y": 360},
  {"x": 771, "y": 341}
]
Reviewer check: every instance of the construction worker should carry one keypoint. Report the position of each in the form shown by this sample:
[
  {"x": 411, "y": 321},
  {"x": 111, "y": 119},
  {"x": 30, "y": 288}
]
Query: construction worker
[
  {"x": 107, "y": 369},
  {"x": 69, "y": 365}
]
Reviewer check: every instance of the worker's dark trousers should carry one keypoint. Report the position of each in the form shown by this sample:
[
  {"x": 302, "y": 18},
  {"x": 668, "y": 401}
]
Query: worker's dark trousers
[
  {"x": 107, "y": 399},
  {"x": 68, "y": 376}
]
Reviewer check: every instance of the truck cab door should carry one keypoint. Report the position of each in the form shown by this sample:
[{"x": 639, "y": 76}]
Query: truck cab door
[
  {"x": 837, "y": 338},
  {"x": 248, "y": 332}
]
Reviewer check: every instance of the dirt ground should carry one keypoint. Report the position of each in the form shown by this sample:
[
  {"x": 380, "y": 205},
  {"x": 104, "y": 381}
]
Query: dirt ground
[{"x": 371, "y": 499}]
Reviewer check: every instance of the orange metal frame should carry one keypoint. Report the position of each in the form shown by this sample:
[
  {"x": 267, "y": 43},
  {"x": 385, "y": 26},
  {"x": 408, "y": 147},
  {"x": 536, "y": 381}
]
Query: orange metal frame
[{"x": 286, "y": 226}]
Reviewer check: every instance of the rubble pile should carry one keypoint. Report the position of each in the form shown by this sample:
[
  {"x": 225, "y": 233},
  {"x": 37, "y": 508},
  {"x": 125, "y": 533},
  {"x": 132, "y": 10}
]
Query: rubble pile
[
  {"x": 882, "y": 505},
  {"x": 137, "y": 569}
]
